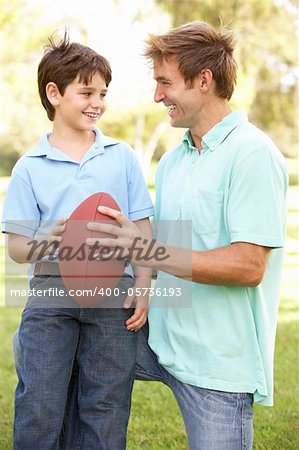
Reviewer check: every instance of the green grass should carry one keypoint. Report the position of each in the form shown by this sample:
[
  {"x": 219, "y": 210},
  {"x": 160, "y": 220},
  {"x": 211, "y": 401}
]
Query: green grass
[{"x": 155, "y": 422}]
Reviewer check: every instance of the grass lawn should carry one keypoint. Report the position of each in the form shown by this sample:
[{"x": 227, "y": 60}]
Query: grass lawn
[{"x": 155, "y": 422}]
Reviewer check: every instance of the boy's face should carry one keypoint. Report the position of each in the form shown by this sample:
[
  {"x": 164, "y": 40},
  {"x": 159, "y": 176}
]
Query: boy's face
[{"x": 81, "y": 105}]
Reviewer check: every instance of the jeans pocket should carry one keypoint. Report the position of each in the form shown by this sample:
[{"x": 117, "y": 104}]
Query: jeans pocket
[
  {"x": 47, "y": 291},
  {"x": 115, "y": 298},
  {"x": 126, "y": 282},
  {"x": 40, "y": 281}
]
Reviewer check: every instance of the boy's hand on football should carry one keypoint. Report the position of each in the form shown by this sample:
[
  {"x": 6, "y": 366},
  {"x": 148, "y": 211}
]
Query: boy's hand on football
[{"x": 55, "y": 237}]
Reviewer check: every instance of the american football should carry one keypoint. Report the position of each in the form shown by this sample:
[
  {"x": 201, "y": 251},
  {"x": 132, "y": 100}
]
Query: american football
[{"x": 85, "y": 276}]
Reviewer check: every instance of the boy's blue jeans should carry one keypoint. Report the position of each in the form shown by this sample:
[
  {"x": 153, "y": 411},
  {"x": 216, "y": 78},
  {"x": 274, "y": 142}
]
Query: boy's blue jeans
[
  {"x": 50, "y": 338},
  {"x": 214, "y": 420}
]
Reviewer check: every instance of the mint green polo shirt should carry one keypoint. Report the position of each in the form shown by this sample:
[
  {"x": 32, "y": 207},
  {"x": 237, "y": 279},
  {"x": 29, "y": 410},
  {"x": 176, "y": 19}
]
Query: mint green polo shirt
[{"x": 233, "y": 191}]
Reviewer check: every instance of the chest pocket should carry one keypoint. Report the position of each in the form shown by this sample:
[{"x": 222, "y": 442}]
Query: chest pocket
[{"x": 206, "y": 207}]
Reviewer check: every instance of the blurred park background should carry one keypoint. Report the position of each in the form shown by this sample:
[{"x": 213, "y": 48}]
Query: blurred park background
[{"x": 267, "y": 54}]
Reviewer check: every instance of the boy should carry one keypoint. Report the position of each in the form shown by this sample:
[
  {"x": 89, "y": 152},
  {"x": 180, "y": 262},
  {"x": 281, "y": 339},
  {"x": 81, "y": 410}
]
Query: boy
[{"x": 67, "y": 165}]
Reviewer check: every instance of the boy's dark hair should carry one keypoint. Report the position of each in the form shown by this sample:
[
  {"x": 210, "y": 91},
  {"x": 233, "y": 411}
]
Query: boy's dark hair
[
  {"x": 197, "y": 46},
  {"x": 63, "y": 62}
]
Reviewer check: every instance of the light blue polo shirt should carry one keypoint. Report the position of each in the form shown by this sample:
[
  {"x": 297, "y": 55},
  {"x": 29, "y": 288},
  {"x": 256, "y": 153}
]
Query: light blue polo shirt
[
  {"x": 233, "y": 191},
  {"x": 47, "y": 185}
]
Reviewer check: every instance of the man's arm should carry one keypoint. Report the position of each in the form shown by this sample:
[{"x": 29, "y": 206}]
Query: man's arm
[{"x": 240, "y": 263}]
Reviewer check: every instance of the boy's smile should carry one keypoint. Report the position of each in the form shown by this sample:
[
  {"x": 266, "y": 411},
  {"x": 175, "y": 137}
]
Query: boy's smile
[{"x": 92, "y": 115}]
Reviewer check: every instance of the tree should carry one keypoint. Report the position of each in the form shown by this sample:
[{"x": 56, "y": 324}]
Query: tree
[
  {"x": 23, "y": 33},
  {"x": 143, "y": 127},
  {"x": 21, "y": 37},
  {"x": 267, "y": 56}
]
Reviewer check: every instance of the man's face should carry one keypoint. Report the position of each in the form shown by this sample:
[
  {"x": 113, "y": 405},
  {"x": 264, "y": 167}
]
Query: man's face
[
  {"x": 183, "y": 102},
  {"x": 82, "y": 105}
]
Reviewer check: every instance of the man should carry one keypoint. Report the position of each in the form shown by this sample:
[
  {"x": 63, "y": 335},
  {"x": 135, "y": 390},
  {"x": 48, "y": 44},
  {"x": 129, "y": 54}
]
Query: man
[{"x": 230, "y": 180}]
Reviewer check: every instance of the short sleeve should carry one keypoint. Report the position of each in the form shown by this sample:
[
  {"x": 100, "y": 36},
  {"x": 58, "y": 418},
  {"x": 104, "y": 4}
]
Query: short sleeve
[
  {"x": 257, "y": 199},
  {"x": 140, "y": 204},
  {"x": 20, "y": 211}
]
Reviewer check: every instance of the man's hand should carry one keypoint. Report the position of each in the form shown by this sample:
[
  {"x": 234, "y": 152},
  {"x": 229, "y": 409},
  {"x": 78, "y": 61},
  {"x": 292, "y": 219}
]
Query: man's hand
[{"x": 125, "y": 235}]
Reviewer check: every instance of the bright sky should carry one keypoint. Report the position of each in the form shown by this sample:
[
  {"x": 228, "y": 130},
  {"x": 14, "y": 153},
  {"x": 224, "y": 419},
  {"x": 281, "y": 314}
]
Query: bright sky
[{"x": 113, "y": 32}]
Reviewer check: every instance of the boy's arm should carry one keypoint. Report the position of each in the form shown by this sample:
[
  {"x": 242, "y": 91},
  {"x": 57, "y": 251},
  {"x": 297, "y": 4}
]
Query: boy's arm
[
  {"x": 141, "y": 287},
  {"x": 21, "y": 250}
]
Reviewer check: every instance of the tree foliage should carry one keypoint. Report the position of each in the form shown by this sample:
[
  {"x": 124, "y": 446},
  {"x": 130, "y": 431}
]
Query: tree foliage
[
  {"x": 24, "y": 30},
  {"x": 144, "y": 128},
  {"x": 21, "y": 43},
  {"x": 267, "y": 54}
]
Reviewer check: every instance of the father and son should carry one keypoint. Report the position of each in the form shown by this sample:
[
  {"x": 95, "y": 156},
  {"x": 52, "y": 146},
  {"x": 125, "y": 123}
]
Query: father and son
[{"x": 76, "y": 365}]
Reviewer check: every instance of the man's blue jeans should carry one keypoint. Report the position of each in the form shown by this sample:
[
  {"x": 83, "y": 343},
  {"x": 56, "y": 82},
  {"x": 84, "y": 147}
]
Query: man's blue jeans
[
  {"x": 213, "y": 420},
  {"x": 50, "y": 338}
]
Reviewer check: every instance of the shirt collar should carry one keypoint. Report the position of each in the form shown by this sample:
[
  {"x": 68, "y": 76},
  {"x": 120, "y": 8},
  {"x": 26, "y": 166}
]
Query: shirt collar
[
  {"x": 216, "y": 135},
  {"x": 44, "y": 148}
]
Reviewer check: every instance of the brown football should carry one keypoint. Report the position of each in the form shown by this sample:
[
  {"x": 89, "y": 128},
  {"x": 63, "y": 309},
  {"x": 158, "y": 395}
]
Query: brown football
[{"x": 84, "y": 275}]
